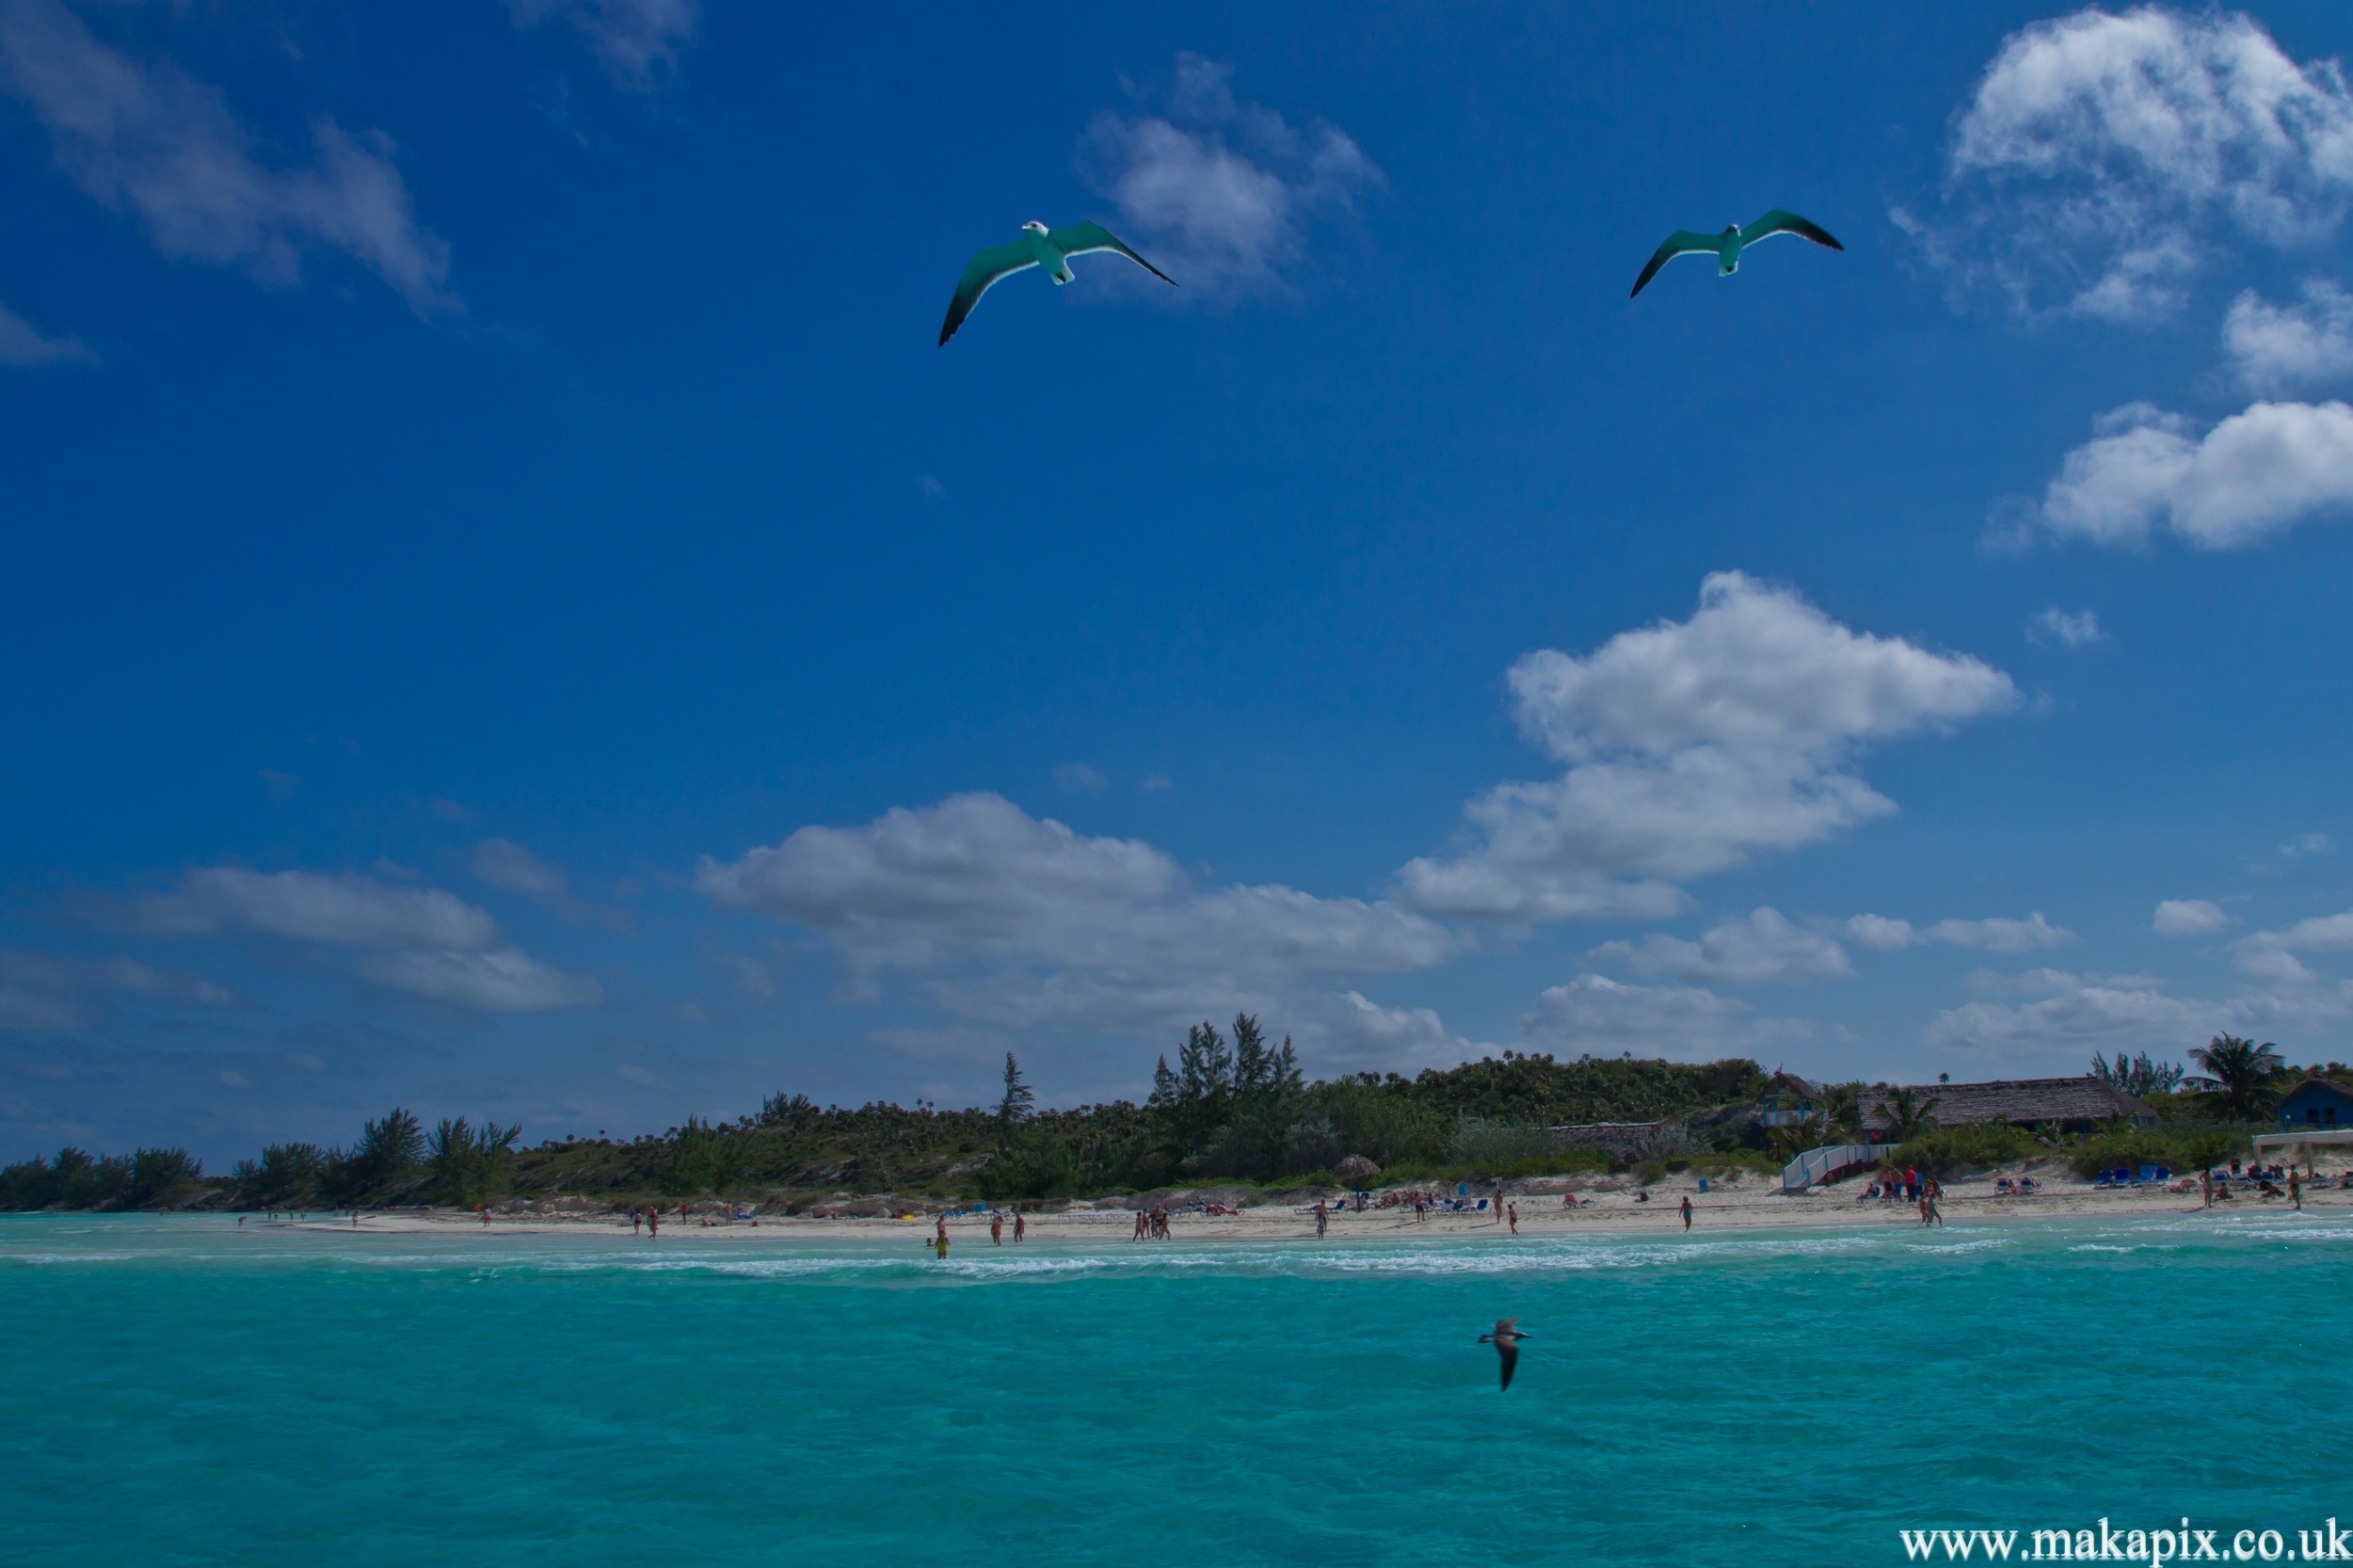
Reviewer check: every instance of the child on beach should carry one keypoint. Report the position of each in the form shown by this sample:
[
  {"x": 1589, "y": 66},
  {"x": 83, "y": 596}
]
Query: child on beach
[{"x": 1687, "y": 1212}]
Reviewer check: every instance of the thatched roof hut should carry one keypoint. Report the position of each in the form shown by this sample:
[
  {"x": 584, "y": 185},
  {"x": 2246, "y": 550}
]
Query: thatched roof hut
[
  {"x": 1355, "y": 1170},
  {"x": 2076, "y": 1104}
]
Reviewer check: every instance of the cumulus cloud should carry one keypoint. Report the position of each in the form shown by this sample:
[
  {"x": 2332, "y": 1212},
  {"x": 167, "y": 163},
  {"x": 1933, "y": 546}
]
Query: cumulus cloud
[
  {"x": 1595, "y": 1014},
  {"x": 2278, "y": 348},
  {"x": 144, "y": 138},
  {"x": 2271, "y": 954},
  {"x": 422, "y": 940},
  {"x": 2105, "y": 157},
  {"x": 22, "y": 344},
  {"x": 2254, "y": 475},
  {"x": 1691, "y": 746},
  {"x": 1220, "y": 192},
  {"x": 1011, "y": 920},
  {"x": 2056, "y": 625},
  {"x": 1079, "y": 778},
  {"x": 2305, "y": 846},
  {"x": 1761, "y": 947},
  {"x": 2070, "y": 1012},
  {"x": 2188, "y": 917},
  {"x": 638, "y": 41}
]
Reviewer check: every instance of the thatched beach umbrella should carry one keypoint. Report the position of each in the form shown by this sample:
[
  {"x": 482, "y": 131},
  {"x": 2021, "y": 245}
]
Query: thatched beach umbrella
[{"x": 1355, "y": 1171}]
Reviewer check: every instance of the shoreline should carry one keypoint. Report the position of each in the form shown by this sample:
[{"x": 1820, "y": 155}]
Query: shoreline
[{"x": 1734, "y": 1209}]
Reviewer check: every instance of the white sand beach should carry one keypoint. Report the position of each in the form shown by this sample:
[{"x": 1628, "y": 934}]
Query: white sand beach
[{"x": 1606, "y": 1205}]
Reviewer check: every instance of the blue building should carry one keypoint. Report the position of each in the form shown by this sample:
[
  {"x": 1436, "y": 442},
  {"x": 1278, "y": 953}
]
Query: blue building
[{"x": 2316, "y": 1102}]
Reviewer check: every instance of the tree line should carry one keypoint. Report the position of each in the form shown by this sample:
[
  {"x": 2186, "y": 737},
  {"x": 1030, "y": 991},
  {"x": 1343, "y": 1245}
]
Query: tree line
[{"x": 1233, "y": 1106}]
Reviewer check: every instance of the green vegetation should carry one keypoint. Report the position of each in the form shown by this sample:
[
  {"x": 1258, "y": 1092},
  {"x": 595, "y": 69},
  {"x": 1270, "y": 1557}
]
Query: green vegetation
[
  {"x": 1234, "y": 1108},
  {"x": 2241, "y": 1073},
  {"x": 149, "y": 1178}
]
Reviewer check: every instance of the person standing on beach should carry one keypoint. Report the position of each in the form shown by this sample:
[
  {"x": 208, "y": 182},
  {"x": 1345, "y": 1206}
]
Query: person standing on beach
[
  {"x": 1686, "y": 1211},
  {"x": 2295, "y": 1190},
  {"x": 653, "y": 1224},
  {"x": 1323, "y": 1218},
  {"x": 996, "y": 1227},
  {"x": 1139, "y": 1235},
  {"x": 2205, "y": 1188},
  {"x": 1515, "y": 1219},
  {"x": 1020, "y": 1228}
]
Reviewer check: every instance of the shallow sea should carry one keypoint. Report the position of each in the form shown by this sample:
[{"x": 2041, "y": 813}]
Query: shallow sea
[{"x": 180, "y": 1391}]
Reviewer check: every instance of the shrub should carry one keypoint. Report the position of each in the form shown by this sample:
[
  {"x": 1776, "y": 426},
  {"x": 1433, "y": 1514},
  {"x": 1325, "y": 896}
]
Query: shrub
[
  {"x": 2184, "y": 1150},
  {"x": 1960, "y": 1150}
]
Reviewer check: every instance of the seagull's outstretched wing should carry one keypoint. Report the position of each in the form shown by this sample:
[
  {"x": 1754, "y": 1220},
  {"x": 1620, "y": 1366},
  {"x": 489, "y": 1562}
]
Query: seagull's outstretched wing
[
  {"x": 1081, "y": 238},
  {"x": 985, "y": 267},
  {"x": 1683, "y": 242},
  {"x": 1779, "y": 222},
  {"x": 1510, "y": 1350}
]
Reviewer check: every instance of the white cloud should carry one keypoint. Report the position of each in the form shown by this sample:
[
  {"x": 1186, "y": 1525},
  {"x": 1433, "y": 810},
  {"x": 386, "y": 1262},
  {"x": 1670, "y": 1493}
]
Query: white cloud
[
  {"x": 638, "y": 41},
  {"x": 1691, "y": 746},
  {"x": 2188, "y": 917},
  {"x": 2254, "y": 475},
  {"x": 1762, "y": 947},
  {"x": 41, "y": 992},
  {"x": 1593, "y": 1013},
  {"x": 2075, "y": 1011},
  {"x": 514, "y": 869},
  {"x": 22, "y": 346},
  {"x": 1342, "y": 1032},
  {"x": 352, "y": 911},
  {"x": 425, "y": 941},
  {"x": 2002, "y": 936},
  {"x": 1015, "y": 921},
  {"x": 2105, "y": 156},
  {"x": 1219, "y": 192},
  {"x": 2275, "y": 348},
  {"x": 2056, "y": 625},
  {"x": 2270, "y": 955},
  {"x": 505, "y": 980},
  {"x": 1880, "y": 933},
  {"x": 149, "y": 140},
  {"x": 2305, "y": 846},
  {"x": 1079, "y": 778},
  {"x": 1994, "y": 935}
]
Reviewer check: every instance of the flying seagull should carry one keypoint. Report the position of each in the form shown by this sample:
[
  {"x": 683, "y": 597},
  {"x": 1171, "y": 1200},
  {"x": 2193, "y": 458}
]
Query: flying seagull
[
  {"x": 1726, "y": 246},
  {"x": 1038, "y": 246},
  {"x": 1506, "y": 1339}
]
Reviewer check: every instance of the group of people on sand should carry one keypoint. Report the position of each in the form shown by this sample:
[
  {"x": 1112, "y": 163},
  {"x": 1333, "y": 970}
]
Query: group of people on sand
[
  {"x": 1912, "y": 1187},
  {"x": 997, "y": 1227},
  {"x": 1152, "y": 1223}
]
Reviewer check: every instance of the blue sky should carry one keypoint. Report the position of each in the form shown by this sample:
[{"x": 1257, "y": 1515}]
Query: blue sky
[{"x": 509, "y": 611}]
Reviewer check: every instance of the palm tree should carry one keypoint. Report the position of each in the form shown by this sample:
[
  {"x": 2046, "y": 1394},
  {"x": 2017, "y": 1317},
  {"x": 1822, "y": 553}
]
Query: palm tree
[
  {"x": 1794, "y": 1139},
  {"x": 1908, "y": 1116},
  {"x": 1842, "y": 1108},
  {"x": 2241, "y": 1072}
]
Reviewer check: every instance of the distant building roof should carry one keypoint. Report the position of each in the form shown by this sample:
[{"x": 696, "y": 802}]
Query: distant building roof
[
  {"x": 1790, "y": 1083},
  {"x": 2328, "y": 1083},
  {"x": 2024, "y": 1101}
]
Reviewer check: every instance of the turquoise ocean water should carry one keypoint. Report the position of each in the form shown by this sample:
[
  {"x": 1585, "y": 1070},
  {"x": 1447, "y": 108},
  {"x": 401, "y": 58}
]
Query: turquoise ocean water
[{"x": 182, "y": 1392}]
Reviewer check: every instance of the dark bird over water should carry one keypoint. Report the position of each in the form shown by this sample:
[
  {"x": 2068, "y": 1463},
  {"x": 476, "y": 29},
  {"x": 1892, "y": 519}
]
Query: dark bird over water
[{"x": 1506, "y": 1339}]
